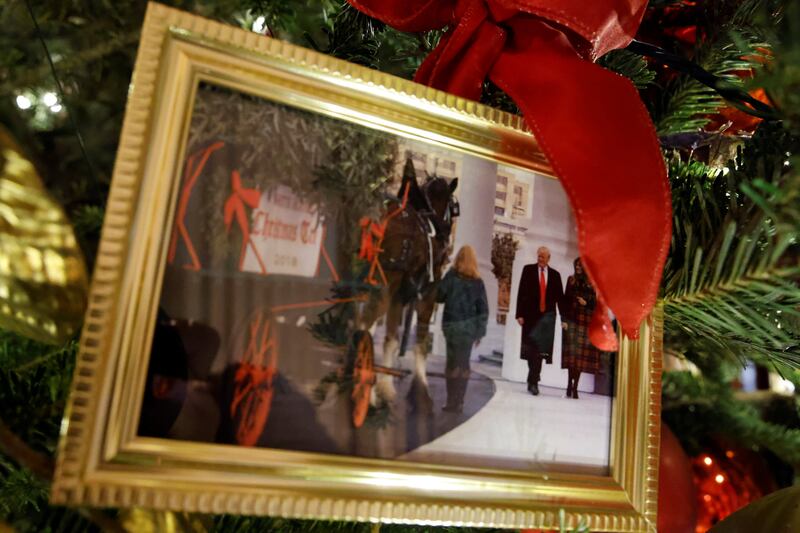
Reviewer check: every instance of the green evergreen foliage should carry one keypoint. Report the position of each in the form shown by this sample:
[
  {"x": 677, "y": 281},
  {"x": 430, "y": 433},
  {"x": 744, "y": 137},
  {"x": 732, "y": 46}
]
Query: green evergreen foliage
[
  {"x": 729, "y": 43},
  {"x": 20, "y": 492},
  {"x": 57, "y": 520},
  {"x": 347, "y": 189},
  {"x": 237, "y": 524},
  {"x": 88, "y": 221},
  {"x": 493, "y": 96},
  {"x": 696, "y": 406},
  {"x": 730, "y": 288},
  {"x": 730, "y": 280},
  {"x": 781, "y": 77},
  {"x": 630, "y": 65},
  {"x": 34, "y": 383}
]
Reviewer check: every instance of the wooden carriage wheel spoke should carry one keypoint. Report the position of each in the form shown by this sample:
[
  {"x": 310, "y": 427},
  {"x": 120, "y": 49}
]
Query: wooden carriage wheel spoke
[
  {"x": 363, "y": 377},
  {"x": 253, "y": 382}
]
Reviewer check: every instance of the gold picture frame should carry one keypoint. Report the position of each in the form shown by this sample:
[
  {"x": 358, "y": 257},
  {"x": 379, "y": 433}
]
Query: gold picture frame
[{"x": 102, "y": 461}]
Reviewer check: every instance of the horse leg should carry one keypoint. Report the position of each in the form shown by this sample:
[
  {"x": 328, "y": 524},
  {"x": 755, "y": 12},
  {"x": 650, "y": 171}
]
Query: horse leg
[
  {"x": 419, "y": 395},
  {"x": 380, "y": 305},
  {"x": 374, "y": 308},
  {"x": 391, "y": 350}
]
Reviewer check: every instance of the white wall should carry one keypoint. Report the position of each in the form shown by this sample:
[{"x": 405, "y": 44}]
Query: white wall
[{"x": 551, "y": 225}]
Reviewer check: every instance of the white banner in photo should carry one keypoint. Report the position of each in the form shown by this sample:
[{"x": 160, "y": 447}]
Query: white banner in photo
[{"x": 286, "y": 235}]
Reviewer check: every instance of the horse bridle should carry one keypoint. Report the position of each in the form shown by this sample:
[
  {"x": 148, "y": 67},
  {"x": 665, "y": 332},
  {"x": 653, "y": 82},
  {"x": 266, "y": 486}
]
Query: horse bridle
[{"x": 452, "y": 211}]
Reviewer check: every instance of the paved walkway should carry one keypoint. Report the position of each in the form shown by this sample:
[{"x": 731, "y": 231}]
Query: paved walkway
[{"x": 518, "y": 430}]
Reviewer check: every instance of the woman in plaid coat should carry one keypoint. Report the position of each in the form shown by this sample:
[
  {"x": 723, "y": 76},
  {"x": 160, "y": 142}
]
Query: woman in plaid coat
[{"x": 578, "y": 355}]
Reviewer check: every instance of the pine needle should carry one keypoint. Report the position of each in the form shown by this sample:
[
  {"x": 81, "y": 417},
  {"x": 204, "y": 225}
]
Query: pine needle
[
  {"x": 630, "y": 65},
  {"x": 731, "y": 283}
]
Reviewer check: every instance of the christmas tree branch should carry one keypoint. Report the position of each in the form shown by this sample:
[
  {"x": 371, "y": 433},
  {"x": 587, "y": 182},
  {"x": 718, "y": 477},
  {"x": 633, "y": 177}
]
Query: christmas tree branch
[
  {"x": 14, "y": 447},
  {"x": 631, "y": 65},
  {"x": 750, "y": 317},
  {"x": 42, "y": 75},
  {"x": 730, "y": 283},
  {"x": 42, "y": 466},
  {"x": 71, "y": 347},
  {"x": 716, "y": 410},
  {"x": 781, "y": 78},
  {"x": 731, "y": 40}
]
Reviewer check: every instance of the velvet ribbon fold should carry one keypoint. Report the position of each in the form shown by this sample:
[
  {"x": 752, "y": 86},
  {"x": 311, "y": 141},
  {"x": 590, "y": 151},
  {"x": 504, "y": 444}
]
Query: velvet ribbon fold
[{"x": 589, "y": 122}]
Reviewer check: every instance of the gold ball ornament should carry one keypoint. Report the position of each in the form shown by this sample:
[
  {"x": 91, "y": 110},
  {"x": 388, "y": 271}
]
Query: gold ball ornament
[
  {"x": 43, "y": 280},
  {"x": 778, "y": 512}
]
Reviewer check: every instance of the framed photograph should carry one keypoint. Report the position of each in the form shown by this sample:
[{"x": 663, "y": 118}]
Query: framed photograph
[{"x": 323, "y": 291}]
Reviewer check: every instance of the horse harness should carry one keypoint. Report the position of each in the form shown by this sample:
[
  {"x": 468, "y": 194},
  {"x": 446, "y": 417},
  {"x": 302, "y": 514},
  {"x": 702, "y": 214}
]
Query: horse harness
[{"x": 433, "y": 227}]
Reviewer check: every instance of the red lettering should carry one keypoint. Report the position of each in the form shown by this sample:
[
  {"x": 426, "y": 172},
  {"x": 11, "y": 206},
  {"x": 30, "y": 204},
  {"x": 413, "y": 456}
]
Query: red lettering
[
  {"x": 256, "y": 225},
  {"x": 274, "y": 228}
]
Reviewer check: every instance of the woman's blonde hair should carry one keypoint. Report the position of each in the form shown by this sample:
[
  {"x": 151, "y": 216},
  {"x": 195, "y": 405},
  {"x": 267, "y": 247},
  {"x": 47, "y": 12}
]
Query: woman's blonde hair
[{"x": 466, "y": 262}]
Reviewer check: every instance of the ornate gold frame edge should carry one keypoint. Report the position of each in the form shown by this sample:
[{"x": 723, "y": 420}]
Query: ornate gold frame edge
[{"x": 72, "y": 484}]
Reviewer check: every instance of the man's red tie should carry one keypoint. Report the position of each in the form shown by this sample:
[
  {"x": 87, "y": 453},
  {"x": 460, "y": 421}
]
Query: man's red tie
[{"x": 542, "y": 289}]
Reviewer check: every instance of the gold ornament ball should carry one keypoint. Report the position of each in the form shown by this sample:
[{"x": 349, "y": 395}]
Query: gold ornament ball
[{"x": 43, "y": 279}]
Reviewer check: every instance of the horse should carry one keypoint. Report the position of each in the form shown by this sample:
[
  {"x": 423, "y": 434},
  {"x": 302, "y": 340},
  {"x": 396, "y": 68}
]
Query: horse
[{"x": 415, "y": 249}]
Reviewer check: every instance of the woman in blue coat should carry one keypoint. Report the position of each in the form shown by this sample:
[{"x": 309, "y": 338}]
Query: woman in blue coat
[{"x": 466, "y": 313}]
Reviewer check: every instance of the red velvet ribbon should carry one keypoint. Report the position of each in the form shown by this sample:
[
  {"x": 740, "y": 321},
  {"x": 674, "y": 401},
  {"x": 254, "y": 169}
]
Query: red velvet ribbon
[
  {"x": 370, "y": 232},
  {"x": 589, "y": 122},
  {"x": 235, "y": 207}
]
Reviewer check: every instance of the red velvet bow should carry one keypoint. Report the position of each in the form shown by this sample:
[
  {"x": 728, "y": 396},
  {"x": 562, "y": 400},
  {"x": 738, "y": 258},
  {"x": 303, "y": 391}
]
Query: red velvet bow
[
  {"x": 589, "y": 122},
  {"x": 370, "y": 233}
]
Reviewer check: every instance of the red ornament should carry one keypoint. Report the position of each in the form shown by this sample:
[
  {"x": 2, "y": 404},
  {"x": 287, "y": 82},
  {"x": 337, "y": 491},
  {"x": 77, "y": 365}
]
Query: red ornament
[
  {"x": 733, "y": 121},
  {"x": 686, "y": 34},
  {"x": 541, "y": 53},
  {"x": 677, "y": 494},
  {"x": 673, "y": 27},
  {"x": 727, "y": 479}
]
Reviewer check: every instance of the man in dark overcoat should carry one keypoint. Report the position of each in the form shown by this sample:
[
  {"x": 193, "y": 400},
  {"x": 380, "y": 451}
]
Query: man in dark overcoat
[{"x": 540, "y": 294}]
